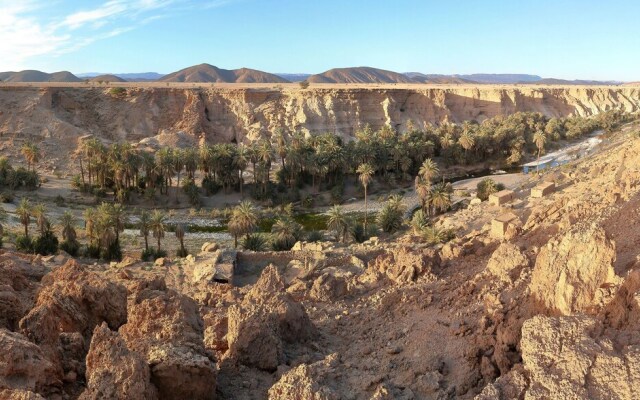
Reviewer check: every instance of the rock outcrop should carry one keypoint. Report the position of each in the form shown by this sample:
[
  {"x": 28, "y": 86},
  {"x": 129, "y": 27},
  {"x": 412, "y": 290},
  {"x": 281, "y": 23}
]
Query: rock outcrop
[
  {"x": 166, "y": 329},
  {"x": 570, "y": 358},
  {"x": 571, "y": 269},
  {"x": 115, "y": 372},
  {"x": 308, "y": 382},
  {"x": 71, "y": 303},
  {"x": 23, "y": 366},
  {"x": 225, "y": 114},
  {"x": 507, "y": 261},
  {"x": 403, "y": 264},
  {"x": 266, "y": 321}
]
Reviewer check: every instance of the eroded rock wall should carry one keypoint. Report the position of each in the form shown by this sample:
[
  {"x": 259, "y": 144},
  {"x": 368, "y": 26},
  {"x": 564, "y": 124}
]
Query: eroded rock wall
[{"x": 226, "y": 114}]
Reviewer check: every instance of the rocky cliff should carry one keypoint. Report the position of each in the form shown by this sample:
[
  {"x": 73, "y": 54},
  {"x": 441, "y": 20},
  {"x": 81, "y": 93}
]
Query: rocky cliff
[{"x": 227, "y": 114}]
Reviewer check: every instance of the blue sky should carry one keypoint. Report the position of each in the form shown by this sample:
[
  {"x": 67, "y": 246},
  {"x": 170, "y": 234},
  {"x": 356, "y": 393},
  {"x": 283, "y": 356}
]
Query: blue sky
[{"x": 563, "y": 38}]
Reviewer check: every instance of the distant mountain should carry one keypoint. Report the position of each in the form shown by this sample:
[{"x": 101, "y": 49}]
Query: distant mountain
[
  {"x": 359, "y": 75},
  {"x": 210, "y": 73},
  {"x": 437, "y": 78},
  {"x": 553, "y": 81},
  {"x": 107, "y": 78},
  {"x": 501, "y": 78},
  {"x": 38, "y": 76},
  {"x": 294, "y": 77},
  {"x": 132, "y": 77}
]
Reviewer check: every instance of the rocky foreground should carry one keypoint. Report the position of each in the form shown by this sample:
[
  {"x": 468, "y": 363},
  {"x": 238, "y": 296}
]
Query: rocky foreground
[{"x": 551, "y": 310}]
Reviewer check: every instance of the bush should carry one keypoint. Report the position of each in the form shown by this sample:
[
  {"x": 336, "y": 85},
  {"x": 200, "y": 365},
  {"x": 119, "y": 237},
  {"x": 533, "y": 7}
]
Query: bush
[
  {"x": 182, "y": 253},
  {"x": 24, "y": 244},
  {"x": 315, "y": 236},
  {"x": 152, "y": 254},
  {"x": 487, "y": 187},
  {"x": 70, "y": 247},
  {"x": 118, "y": 91},
  {"x": 92, "y": 251},
  {"x": 6, "y": 197},
  {"x": 281, "y": 245},
  {"x": 46, "y": 244},
  {"x": 390, "y": 217},
  {"x": 254, "y": 242},
  {"x": 113, "y": 252},
  {"x": 433, "y": 235},
  {"x": 191, "y": 190},
  {"x": 59, "y": 201},
  {"x": 304, "y": 84}
]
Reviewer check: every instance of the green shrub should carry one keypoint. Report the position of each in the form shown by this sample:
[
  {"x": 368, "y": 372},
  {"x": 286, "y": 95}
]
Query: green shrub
[
  {"x": 113, "y": 252},
  {"x": 24, "y": 244},
  {"x": 182, "y": 253},
  {"x": 152, "y": 254},
  {"x": 6, "y": 197},
  {"x": 70, "y": 247},
  {"x": 118, "y": 91},
  {"x": 191, "y": 190},
  {"x": 92, "y": 251},
  {"x": 46, "y": 244},
  {"x": 254, "y": 242},
  {"x": 315, "y": 236},
  {"x": 487, "y": 187}
]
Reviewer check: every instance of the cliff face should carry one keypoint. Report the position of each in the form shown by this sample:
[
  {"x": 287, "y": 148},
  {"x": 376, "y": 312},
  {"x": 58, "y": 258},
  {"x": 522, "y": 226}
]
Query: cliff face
[{"x": 225, "y": 114}]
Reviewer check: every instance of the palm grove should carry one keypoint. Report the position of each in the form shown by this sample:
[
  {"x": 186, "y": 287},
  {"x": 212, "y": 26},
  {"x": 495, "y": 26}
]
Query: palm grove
[{"x": 284, "y": 166}]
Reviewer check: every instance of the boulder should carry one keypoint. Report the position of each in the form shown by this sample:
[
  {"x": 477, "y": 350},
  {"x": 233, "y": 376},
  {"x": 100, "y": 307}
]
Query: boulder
[
  {"x": 328, "y": 287},
  {"x": 266, "y": 320},
  {"x": 71, "y": 303},
  {"x": 19, "y": 394},
  {"x": 568, "y": 358},
  {"x": 306, "y": 382},
  {"x": 115, "y": 372},
  {"x": 404, "y": 265},
  {"x": 159, "y": 262},
  {"x": 209, "y": 247},
  {"x": 571, "y": 268},
  {"x": 166, "y": 329},
  {"x": 507, "y": 261},
  {"x": 23, "y": 366}
]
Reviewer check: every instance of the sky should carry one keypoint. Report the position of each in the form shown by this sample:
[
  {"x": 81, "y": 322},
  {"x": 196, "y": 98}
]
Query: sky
[{"x": 566, "y": 39}]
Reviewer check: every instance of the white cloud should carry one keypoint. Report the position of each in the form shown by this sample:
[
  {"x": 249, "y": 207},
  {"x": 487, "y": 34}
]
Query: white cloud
[{"x": 27, "y": 30}]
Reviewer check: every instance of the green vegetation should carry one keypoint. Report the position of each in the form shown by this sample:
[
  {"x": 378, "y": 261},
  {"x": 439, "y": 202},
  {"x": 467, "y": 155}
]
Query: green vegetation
[
  {"x": 487, "y": 187},
  {"x": 20, "y": 178},
  {"x": 321, "y": 162}
]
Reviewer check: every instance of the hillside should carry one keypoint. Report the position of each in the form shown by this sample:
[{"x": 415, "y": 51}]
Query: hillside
[
  {"x": 38, "y": 76},
  {"x": 501, "y": 78},
  {"x": 359, "y": 75},
  {"x": 59, "y": 116},
  {"x": 437, "y": 78},
  {"x": 107, "y": 78},
  {"x": 210, "y": 73}
]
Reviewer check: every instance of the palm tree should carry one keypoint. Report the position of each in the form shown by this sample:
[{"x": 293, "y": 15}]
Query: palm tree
[
  {"x": 540, "y": 139},
  {"x": 423, "y": 190},
  {"x": 467, "y": 141},
  {"x": 157, "y": 225},
  {"x": 428, "y": 170},
  {"x": 440, "y": 198},
  {"x": 67, "y": 222},
  {"x": 3, "y": 218},
  {"x": 24, "y": 213},
  {"x": 38, "y": 211},
  {"x": 286, "y": 231},
  {"x": 145, "y": 228},
  {"x": 241, "y": 160},
  {"x": 90, "y": 224},
  {"x": 180, "y": 231},
  {"x": 390, "y": 216},
  {"x": 31, "y": 153},
  {"x": 178, "y": 159},
  {"x": 365, "y": 173},
  {"x": 244, "y": 220},
  {"x": 338, "y": 222}
]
